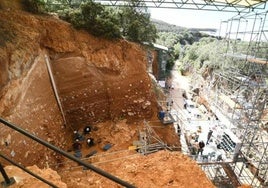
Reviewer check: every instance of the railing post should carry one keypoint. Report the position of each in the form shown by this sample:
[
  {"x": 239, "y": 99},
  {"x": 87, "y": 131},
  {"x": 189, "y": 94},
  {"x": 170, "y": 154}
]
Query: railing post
[{"x": 8, "y": 181}]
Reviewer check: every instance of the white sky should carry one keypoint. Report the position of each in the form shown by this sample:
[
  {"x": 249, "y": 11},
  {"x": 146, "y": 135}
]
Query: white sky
[{"x": 191, "y": 18}]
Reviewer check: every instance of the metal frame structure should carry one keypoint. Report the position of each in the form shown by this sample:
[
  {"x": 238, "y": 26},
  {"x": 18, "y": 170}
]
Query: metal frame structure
[
  {"x": 226, "y": 6},
  {"x": 239, "y": 6},
  {"x": 240, "y": 93},
  {"x": 246, "y": 85},
  {"x": 149, "y": 141}
]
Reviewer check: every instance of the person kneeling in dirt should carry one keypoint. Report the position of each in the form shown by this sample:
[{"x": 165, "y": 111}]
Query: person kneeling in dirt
[
  {"x": 90, "y": 142},
  {"x": 78, "y": 136},
  {"x": 87, "y": 130},
  {"x": 77, "y": 148},
  {"x": 77, "y": 145}
]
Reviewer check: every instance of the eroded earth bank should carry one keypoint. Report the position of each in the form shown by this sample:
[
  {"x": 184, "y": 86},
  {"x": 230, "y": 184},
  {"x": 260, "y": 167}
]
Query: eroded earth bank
[{"x": 99, "y": 83}]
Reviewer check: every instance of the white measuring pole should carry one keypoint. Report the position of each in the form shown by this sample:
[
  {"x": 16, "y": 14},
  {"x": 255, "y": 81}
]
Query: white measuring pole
[{"x": 55, "y": 89}]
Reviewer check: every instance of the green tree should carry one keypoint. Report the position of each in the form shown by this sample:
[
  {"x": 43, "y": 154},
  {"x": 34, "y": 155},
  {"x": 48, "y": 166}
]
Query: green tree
[
  {"x": 207, "y": 53},
  {"x": 167, "y": 39},
  {"x": 177, "y": 50},
  {"x": 136, "y": 25},
  {"x": 130, "y": 22},
  {"x": 34, "y": 6},
  {"x": 94, "y": 18}
]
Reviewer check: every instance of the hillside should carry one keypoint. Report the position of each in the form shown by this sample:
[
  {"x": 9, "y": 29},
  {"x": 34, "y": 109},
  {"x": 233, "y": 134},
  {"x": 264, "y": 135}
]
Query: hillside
[
  {"x": 166, "y": 27},
  {"x": 100, "y": 83},
  {"x": 162, "y": 26}
]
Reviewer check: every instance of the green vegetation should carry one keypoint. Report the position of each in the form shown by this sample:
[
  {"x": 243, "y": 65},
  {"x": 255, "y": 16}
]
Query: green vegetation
[
  {"x": 195, "y": 51},
  {"x": 111, "y": 22},
  {"x": 199, "y": 52},
  {"x": 34, "y": 6},
  {"x": 169, "y": 39},
  {"x": 166, "y": 27},
  {"x": 205, "y": 53},
  {"x": 210, "y": 54},
  {"x": 179, "y": 41},
  {"x": 94, "y": 18},
  {"x": 131, "y": 22},
  {"x": 136, "y": 25}
]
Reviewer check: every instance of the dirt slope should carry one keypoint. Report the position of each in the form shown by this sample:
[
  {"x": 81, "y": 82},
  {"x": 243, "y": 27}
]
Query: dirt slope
[
  {"x": 99, "y": 83},
  {"x": 24, "y": 180},
  {"x": 97, "y": 80},
  {"x": 161, "y": 169}
]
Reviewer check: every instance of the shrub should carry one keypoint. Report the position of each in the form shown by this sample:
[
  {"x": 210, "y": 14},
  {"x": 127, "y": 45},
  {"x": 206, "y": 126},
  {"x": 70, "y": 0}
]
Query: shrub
[{"x": 34, "y": 6}]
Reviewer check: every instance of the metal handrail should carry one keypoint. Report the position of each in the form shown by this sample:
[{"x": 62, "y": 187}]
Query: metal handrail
[
  {"x": 28, "y": 171},
  {"x": 65, "y": 154}
]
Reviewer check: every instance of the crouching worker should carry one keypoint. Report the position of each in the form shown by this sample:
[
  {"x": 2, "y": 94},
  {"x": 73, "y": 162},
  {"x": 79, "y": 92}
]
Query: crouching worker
[
  {"x": 77, "y": 148},
  {"x": 78, "y": 136},
  {"x": 90, "y": 142},
  {"x": 87, "y": 130}
]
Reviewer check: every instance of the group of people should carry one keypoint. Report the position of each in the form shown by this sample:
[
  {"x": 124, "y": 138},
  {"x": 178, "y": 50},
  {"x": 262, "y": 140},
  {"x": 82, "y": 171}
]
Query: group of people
[
  {"x": 81, "y": 137},
  {"x": 198, "y": 147}
]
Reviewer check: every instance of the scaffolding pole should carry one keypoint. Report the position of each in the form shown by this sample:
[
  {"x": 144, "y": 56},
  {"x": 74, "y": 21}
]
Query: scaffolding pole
[{"x": 239, "y": 92}]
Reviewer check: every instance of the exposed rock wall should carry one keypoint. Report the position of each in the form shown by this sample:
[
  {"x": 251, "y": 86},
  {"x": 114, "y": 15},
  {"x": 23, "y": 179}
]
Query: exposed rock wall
[
  {"x": 24, "y": 180},
  {"x": 11, "y": 5},
  {"x": 97, "y": 80}
]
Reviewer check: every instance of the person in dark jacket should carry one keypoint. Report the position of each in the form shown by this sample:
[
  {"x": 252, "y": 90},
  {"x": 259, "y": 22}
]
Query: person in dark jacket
[
  {"x": 87, "y": 130},
  {"x": 78, "y": 136},
  {"x": 90, "y": 142},
  {"x": 77, "y": 145},
  {"x": 201, "y": 145},
  {"x": 209, "y": 135}
]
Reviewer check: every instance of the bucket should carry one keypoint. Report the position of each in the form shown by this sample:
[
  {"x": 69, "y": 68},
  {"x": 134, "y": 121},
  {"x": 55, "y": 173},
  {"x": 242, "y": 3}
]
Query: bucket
[{"x": 161, "y": 115}]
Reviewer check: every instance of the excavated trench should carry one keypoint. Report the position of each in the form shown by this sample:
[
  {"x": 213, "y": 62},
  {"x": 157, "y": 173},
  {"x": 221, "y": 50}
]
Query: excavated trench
[
  {"x": 96, "y": 81},
  {"x": 99, "y": 83}
]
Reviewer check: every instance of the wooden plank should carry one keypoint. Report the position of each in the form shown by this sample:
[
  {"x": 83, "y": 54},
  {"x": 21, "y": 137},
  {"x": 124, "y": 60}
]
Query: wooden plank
[{"x": 231, "y": 175}]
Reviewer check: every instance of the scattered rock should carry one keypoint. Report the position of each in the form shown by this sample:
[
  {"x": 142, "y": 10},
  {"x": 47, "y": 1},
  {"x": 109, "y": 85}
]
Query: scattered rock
[{"x": 130, "y": 113}]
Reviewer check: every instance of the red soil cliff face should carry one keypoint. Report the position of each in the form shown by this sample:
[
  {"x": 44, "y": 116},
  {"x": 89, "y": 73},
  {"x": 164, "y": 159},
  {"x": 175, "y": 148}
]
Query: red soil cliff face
[
  {"x": 99, "y": 82},
  {"x": 96, "y": 79}
]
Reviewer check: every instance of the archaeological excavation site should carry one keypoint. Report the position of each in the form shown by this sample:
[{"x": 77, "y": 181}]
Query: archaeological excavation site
[{"x": 79, "y": 109}]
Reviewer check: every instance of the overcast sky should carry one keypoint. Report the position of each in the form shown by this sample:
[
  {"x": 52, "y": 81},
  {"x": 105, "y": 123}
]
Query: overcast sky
[{"x": 191, "y": 18}]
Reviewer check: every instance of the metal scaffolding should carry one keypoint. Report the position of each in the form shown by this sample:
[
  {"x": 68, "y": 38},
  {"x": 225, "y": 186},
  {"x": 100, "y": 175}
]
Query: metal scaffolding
[
  {"x": 220, "y": 5},
  {"x": 239, "y": 93},
  {"x": 240, "y": 6}
]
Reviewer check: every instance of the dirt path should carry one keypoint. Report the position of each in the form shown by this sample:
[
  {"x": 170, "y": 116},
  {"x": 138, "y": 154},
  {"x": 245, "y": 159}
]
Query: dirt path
[{"x": 180, "y": 84}]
